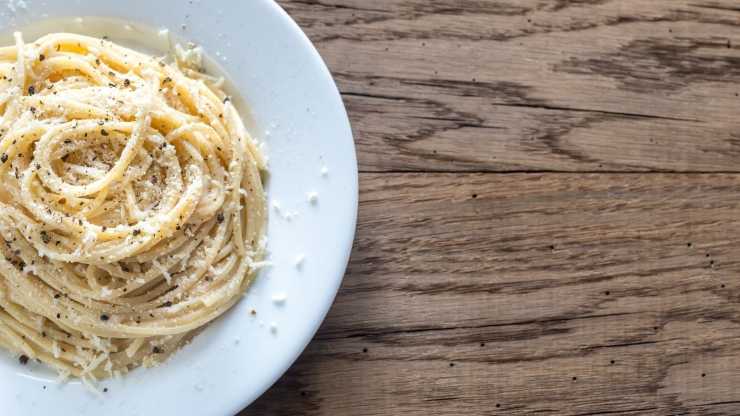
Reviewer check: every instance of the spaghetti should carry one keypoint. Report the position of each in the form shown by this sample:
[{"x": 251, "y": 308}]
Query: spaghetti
[{"x": 131, "y": 204}]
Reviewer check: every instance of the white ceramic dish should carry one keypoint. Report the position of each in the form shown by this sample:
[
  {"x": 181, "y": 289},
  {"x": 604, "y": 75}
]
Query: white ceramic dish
[{"x": 295, "y": 108}]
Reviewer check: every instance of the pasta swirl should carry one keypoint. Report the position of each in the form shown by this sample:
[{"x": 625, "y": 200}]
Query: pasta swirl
[{"x": 131, "y": 204}]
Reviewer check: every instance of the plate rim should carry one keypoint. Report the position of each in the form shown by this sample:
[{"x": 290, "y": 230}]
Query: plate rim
[{"x": 351, "y": 231}]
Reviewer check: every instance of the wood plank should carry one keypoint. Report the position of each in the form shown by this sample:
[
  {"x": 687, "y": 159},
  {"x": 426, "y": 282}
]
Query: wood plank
[
  {"x": 470, "y": 291},
  {"x": 535, "y": 85}
]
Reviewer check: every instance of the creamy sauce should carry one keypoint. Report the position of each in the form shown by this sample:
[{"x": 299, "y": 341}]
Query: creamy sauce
[
  {"x": 151, "y": 40},
  {"x": 139, "y": 37}
]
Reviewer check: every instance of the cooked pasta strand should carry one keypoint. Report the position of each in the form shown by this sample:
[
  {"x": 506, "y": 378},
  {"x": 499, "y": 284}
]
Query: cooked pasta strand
[{"x": 132, "y": 211}]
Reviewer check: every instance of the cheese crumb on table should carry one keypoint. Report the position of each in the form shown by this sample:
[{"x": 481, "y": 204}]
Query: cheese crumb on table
[
  {"x": 299, "y": 261},
  {"x": 312, "y": 197},
  {"x": 279, "y": 298}
]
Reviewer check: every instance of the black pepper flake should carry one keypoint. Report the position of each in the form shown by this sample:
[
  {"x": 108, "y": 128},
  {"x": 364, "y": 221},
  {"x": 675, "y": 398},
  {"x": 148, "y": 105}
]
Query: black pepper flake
[
  {"x": 220, "y": 217},
  {"x": 33, "y": 110},
  {"x": 126, "y": 82},
  {"x": 156, "y": 350},
  {"x": 41, "y": 57},
  {"x": 23, "y": 359},
  {"x": 59, "y": 316},
  {"x": 104, "y": 317},
  {"x": 31, "y": 90},
  {"x": 57, "y": 296},
  {"x": 103, "y": 132},
  {"x": 67, "y": 141},
  {"x": 45, "y": 237},
  {"x": 166, "y": 80},
  {"x": 105, "y": 389},
  {"x": 167, "y": 304},
  {"x": 136, "y": 232},
  {"x": 4, "y": 158}
]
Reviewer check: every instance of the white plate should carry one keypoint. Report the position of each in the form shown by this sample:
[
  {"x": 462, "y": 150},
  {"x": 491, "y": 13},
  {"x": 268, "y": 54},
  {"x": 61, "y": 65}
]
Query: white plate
[{"x": 296, "y": 109}]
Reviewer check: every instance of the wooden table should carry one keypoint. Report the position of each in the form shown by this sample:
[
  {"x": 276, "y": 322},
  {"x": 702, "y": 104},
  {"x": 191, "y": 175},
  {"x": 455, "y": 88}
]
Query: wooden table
[{"x": 549, "y": 210}]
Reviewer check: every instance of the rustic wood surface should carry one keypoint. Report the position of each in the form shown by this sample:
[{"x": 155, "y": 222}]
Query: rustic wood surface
[{"x": 549, "y": 210}]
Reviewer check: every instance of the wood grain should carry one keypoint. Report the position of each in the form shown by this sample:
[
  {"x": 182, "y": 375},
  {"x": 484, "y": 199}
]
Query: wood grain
[
  {"x": 521, "y": 85},
  {"x": 537, "y": 279},
  {"x": 549, "y": 210}
]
